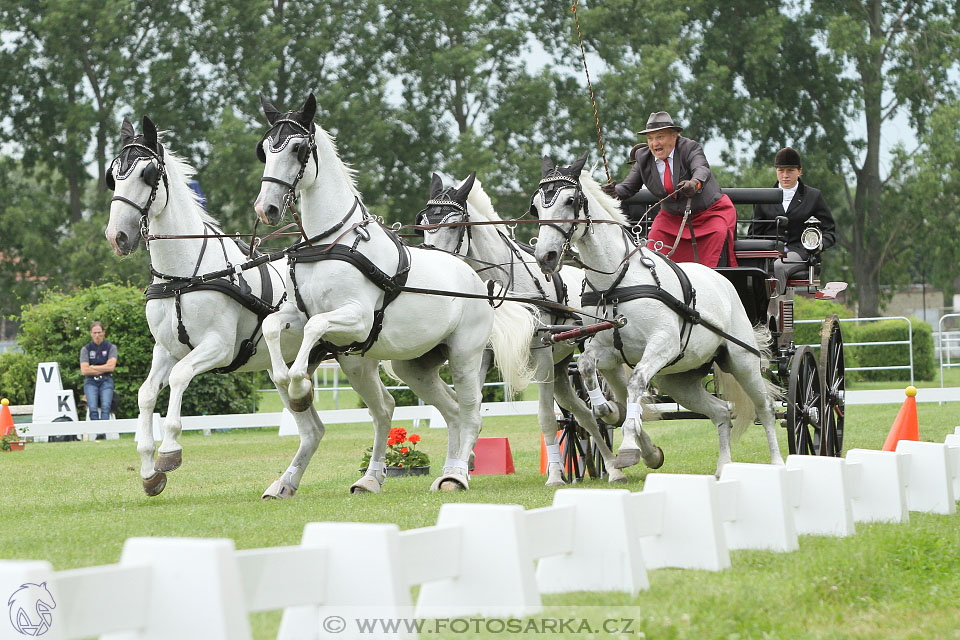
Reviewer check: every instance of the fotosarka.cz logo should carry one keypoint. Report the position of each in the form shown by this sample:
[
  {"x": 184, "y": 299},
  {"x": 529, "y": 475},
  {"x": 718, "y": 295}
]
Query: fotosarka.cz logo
[{"x": 31, "y": 609}]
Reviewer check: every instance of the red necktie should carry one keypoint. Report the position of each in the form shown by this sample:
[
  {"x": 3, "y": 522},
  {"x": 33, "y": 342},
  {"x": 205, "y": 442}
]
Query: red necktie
[{"x": 667, "y": 178}]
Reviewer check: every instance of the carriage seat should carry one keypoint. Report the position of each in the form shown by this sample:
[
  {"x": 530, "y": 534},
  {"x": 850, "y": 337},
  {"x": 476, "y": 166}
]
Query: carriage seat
[{"x": 758, "y": 252}]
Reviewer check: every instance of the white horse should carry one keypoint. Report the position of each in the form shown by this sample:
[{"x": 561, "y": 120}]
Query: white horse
[
  {"x": 197, "y": 328},
  {"x": 353, "y": 283},
  {"x": 498, "y": 258},
  {"x": 657, "y": 340}
]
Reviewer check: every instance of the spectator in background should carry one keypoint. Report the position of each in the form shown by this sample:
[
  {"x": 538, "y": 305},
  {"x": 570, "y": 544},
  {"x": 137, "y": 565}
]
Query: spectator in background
[{"x": 98, "y": 359}]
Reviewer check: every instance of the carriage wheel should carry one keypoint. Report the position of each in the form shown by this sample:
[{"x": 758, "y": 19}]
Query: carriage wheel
[
  {"x": 805, "y": 405},
  {"x": 834, "y": 384}
]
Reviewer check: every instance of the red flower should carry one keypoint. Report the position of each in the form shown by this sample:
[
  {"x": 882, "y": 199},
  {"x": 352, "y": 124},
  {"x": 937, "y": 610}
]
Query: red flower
[
  {"x": 398, "y": 433},
  {"x": 414, "y": 438},
  {"x": 391, "y": 442},
  {"x": 404, "y": 450}
]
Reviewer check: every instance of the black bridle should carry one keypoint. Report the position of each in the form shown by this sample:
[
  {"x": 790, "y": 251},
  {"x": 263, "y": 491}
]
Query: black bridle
[
  {"x": 151, "y": 174},
  {"x": 549, "y": 189},
  {"x": 303, "y": 155},
  {"x": 439, "y": 210}
]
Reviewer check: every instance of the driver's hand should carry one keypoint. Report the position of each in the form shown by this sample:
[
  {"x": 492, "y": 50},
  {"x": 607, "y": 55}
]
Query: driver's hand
[{"x": 610, "y": 189}]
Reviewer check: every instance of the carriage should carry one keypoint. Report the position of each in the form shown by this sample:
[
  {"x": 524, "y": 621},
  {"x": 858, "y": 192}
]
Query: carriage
[{"x": 814, "y": 383}]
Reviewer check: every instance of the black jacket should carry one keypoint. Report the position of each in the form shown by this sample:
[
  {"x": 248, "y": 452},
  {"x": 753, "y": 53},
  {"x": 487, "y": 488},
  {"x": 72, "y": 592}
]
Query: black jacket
[
  {"x": 688, "y": 162},
  {"x": 806, "y": 202}
]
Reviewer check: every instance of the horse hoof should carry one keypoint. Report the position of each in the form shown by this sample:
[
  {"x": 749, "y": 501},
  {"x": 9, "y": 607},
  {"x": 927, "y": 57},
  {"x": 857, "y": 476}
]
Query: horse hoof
[
  {"x": 616, "y": 476},
  {"x": 366, "y": 484},
  {"x": 657, "y": 459},
  {"x": 155, "y": 484},
  {"x": 168, "y": 461},
  {"x": 555, "y": 475},
  {"x": 626, "y": 458},
  {"x": 301, "y": 404},
  {"x": 450, "y": 482},
  {"x": 279, "y": 489}
]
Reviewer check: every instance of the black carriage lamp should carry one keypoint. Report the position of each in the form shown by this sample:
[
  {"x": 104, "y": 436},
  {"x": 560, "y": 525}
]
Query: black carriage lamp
[{"x": 812, "y": 237}]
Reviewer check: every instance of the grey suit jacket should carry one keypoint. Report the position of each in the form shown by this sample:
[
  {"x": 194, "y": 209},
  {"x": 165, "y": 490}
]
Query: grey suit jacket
[{"x": 689, "y": 162}]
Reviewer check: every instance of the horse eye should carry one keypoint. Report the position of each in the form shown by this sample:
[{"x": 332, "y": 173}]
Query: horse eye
[{"x": 570, "y": 201}]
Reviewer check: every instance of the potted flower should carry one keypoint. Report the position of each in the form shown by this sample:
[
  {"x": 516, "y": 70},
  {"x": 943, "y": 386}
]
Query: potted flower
[
  {"x": 12, "y": 441},
  {"x": 402, "y": 456}
]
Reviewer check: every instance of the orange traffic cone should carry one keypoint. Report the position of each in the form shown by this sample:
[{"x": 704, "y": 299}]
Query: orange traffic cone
[
  {"x": 906, "y": 425},
  {"x": 6, "y": 419}
]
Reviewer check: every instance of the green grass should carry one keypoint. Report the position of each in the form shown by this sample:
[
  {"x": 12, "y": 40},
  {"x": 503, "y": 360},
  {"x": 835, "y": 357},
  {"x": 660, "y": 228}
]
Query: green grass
[{"x": 74, "y": 504}]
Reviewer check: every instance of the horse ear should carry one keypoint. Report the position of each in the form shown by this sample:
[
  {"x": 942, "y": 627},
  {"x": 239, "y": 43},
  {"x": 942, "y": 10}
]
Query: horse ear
[
  {"x": 464, "y": 190},
  {"x": 436, "y": 186},
  {"x": 577, "y": 166},
  {"x": 268, "y": 109},
  {"x": 150, "y": 133},
  {"x": 127, "y": 134},
  {"x": 546, "y": 166},
  {"x": 309, "y": 110}
]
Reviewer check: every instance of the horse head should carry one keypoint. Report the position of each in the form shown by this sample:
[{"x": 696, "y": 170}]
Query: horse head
[
  {"x": 447, "y": 206},
  {"x": 286, "y": 150},
  {"x": 135, "y": 176},
  {"x": 559, "y": 196}
]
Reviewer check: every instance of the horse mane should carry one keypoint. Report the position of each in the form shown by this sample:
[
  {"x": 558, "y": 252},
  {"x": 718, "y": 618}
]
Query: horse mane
[
  {"x": 179, "y": 173},
  {"x": 608, "y": 205},
  {"x": 348, "y": 172},
  {"x": 480, "y": 204}
]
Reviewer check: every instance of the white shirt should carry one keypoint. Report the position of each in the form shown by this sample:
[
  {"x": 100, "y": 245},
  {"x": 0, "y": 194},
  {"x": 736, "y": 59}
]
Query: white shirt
[
  {"x": 661, "y": 166},
  {"x": 788, "y": 195}
]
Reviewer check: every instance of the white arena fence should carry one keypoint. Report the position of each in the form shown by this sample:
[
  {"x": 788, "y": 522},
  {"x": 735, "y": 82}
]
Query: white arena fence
[{"x": 588, "y": 540}]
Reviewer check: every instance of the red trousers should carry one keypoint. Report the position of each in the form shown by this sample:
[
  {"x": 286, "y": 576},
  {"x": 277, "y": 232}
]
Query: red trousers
[{"x": 713, "y": 227}]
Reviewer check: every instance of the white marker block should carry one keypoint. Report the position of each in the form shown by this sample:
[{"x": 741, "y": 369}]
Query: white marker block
[
  {"x": 929, "y": 485},
  {"x": 596, "y": 514},
  {"x": 496, "y": 566},
  {"x": 195, "y": 589},
  {"x": 764, "y": 516},
  {"x": 25, "y": 585},
  {"x": 362, "y": 579},
  {"x": 825, "y": 496},
  {"x": 691, "y": 535},
  {"x": 880, "y": 495},
  {"x": 953, "y": 442}
]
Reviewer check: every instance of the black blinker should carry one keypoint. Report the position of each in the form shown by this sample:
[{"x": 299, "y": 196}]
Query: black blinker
[
  {"x": 150, "y": 174},
  {"x": 108, "y": 178},
  {"x": 303, "y": 150},
  {"x": 261, "y": 156}
]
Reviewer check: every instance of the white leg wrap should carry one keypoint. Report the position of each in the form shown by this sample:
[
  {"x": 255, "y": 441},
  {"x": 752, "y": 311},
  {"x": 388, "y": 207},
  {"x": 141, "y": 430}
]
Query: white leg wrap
[
  {"x": 375, "y": 466},
  {"x": 596, "y": 397},
  {"x": 634, "y": 411},
  {"x": 456, "y": 464},
  {"x": 292, "y": 470},
  {"x": 553, "y": 453}
]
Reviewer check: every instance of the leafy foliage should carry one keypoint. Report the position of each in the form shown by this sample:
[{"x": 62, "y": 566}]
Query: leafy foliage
[
  {"x": 57, "y": 327},
  {"x": 18, "y": 371},
  {"x": 401, "y": 451}
]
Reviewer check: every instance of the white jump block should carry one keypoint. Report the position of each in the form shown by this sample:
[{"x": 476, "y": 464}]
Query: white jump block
[
  {"x": 691, "y": 535},
  {"x": 880, "y": 495},
  {"x": 195, "y": 590},
  {"x": 496, "y": 576},
  {"x": 278, "y": 577},
  {"x": 24, "y": 584},
  {"x": 953, "y": 442},
  {"x": 824, "y": 507},
  {"x": 929, "y": 481},
  {"x": 566, "y": 537},
  {"x": 363, "y": 579},
  {"x": 764, "y": 515}
]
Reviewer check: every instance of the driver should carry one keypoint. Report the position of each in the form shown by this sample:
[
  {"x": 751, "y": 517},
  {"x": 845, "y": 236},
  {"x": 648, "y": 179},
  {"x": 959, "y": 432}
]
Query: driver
[
  {"x": 799, "y": 203},
  {"x": 708, "y": 234}
]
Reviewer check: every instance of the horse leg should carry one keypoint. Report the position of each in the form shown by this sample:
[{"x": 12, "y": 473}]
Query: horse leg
[
  {"x": 421, "y": 375},
  {"x": 273, "y": 325},
  {"x": 153, "y": 481},
  {"x": 661, "y": 348},
  {"x": 311, "y": 430},
  {"x": 687, "y": 389},
  {"x": 546, "y": 417},
  {"x": 588, "y": 364},
  {"x": 745, "y": 368},
  {"x": 346, "y": 318},
  {"x": 212, "y": 351},
  {"x": 569, "y": 400},
  {"x": 364, "y": 377},
  {"x": 463, "y": 369}
]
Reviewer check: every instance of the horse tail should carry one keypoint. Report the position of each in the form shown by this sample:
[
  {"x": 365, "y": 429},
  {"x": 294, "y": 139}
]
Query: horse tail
[
  {"x": 514, "y": 325},
  {"x": 387, "y": 366},
  {"x": 745, "y": 413}
]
